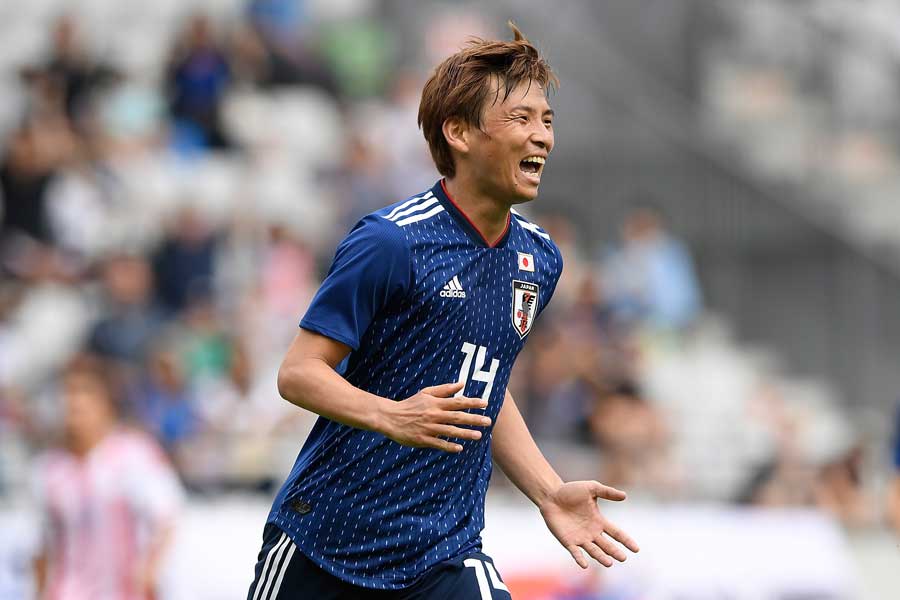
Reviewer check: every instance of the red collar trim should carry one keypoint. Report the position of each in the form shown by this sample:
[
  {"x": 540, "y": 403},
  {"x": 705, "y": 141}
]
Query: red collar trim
[{"x": 466, "y": 217}]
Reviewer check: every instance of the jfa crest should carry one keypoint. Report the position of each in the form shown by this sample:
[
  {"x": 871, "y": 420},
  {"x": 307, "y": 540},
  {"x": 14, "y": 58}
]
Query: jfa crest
[{"x": 524, "y": 306}]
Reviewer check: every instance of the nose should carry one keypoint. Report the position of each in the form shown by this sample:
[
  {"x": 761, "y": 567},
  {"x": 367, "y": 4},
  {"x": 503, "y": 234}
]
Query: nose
[{"x": 542, "y": 136}]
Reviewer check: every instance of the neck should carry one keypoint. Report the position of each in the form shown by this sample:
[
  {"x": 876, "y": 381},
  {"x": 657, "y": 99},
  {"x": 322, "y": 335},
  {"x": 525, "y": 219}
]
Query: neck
[{"x": 489, "y": 215}]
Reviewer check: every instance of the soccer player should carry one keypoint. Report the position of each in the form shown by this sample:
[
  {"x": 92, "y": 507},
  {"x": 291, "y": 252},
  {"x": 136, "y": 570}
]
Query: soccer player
[
  {"x": 108, "y": 499},
  {"x": 405, "y": 353}
]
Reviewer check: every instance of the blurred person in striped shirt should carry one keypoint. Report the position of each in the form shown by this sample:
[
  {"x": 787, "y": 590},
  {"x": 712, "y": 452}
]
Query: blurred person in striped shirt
[{"x": 107, "y": 496}]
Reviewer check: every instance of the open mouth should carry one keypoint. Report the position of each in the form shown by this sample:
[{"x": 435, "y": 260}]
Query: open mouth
[{"x": 532, "y": 166}]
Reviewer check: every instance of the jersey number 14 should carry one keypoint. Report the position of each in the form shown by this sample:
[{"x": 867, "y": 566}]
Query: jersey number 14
[{"x": 478, "y": 374}]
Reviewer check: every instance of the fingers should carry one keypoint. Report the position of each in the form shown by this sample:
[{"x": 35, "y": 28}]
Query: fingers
[
  {"x": 597, "y": 554},
  {"x": 439, "y": 444},
  {"x": 610, "y": 549},
  {"x": 444, "y": 390},
  {"x": 620, "y": 536},
  {"x": 607, "y": 493},
  {"x": 463, "y": 418},
  {"x": 602, "y": 550},
  {"x": 462, "y": 403},
  {"x": 575, "y": 551},
  {"x": 456, "y": 432}
]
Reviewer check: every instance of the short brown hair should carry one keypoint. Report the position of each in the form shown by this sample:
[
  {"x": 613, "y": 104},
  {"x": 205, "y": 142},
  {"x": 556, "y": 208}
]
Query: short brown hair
[{"x": 460, "y": 85}]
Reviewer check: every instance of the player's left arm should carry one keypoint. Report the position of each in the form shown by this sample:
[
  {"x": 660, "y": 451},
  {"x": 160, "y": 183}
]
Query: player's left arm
[{"x": 569, "y": 509}]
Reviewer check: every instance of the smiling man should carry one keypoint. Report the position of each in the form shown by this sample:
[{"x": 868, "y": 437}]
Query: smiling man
[{"x": 406, "y": 352}]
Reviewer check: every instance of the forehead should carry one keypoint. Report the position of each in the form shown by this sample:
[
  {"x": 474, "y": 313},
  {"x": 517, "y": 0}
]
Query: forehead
[{"x": 527, "y": 94}]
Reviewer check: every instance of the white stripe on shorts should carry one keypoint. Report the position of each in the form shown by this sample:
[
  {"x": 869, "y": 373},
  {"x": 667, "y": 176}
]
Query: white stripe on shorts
[
  {"x": 277, "y": 567},
  {"x": 262, "y": 574},
  {"x": 284, "y": 568}
]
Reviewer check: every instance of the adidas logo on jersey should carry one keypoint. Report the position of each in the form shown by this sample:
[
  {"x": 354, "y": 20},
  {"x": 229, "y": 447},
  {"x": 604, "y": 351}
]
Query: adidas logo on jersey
[{"x": 453, "y": 289}]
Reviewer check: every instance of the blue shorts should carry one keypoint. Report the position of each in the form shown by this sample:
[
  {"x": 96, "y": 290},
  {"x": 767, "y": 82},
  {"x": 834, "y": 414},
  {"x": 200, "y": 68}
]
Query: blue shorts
[{"x": 284, "y": 573}]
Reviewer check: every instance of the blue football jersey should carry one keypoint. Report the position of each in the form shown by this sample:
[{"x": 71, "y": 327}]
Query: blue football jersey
[{"x": 422, "y": 299}]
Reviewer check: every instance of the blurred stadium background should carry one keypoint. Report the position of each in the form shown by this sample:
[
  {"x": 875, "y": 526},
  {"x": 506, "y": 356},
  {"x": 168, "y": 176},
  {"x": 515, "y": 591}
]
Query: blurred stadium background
[{"x": 725, "y": 343}]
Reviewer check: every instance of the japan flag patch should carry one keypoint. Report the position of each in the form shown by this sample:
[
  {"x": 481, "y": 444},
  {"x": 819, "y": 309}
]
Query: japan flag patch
[{"x": 526, "y": 262}]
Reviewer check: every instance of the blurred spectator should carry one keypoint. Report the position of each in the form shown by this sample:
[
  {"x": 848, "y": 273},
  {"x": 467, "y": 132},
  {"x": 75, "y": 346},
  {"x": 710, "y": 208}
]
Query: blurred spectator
[
  {"x": 130, "y": 318},
  {"x": 107, "y": 497},
  {"x": 283, "y": 283},
  {"x": 553, "y": 398},
  {"x": 779, "y": 483},
  {"x": 360, "y": 182},
  {"x": 577, "y": 349},
  {"x": 280, "y": 21},
  {"x": 565, "y": 236},
  {"x": 651, "y": 276},
  {"x": 46, "y": 319},
  {"x": 633, "y": 441},
  {"x": 163, "y": 402},
  {"x": 270, "y": 62},
  {"x": 277, "y": 42},
  {"x": 358, "y": 52},
  {"x": 197, "y": 79},
  {"x": 70, "y": 71},
  {"x": 784, "y": 476},
  {"x": 79, "y": 207},
  {"x": 604, "y": 347},
  {"x": 839, "y": 489},
  {"x": 245, "y": 425},
  {"x": 404, "y": 163},
  {"x": 287, "y": 274},
  {"x": 203, "y": 343},
  {"x": 31, "y": 158},
  {"x": 23, "y": 181},
  {"x": 184, "y": 263}
]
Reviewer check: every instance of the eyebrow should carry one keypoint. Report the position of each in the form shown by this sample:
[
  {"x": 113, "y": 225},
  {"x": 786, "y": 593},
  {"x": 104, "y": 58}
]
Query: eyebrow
[{"x": 549, "y": 112}]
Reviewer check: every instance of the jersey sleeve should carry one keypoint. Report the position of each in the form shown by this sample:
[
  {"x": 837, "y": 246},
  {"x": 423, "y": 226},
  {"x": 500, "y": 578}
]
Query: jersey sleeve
[
  {"x": 555, "y": 274},
  {"x": 371, "y": 270}
]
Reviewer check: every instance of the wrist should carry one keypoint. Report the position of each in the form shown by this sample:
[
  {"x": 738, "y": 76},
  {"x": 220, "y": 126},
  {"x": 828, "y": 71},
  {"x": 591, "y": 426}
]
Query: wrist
[
  {"x": 381, "y": 416},
  {"x": 546, "y": 491}
]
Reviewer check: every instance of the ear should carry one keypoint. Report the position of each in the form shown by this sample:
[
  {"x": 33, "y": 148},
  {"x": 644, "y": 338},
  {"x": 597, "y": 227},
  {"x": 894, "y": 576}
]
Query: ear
[{"x": 456, "y": 132}]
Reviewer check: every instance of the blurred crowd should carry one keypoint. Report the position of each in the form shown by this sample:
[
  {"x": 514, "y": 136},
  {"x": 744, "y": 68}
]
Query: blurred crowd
[
  {"x": 174, "y": 227},
  {"x": 808, "y": 91}
]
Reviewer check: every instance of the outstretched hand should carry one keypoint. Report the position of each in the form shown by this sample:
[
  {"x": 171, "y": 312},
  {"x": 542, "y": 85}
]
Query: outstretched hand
[{"x": 572, "y": 515}]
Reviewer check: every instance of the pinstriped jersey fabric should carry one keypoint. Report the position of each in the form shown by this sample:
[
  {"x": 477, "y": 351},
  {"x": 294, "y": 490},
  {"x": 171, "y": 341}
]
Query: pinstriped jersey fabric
[{"x": 422, "y": 300}]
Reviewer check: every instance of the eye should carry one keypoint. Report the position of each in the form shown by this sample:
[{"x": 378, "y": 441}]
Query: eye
[{"x": 521, "y": 118}]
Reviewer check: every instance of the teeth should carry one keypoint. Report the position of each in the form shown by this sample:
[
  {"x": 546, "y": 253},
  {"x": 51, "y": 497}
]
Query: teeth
[{"x": 535, "y": 159}]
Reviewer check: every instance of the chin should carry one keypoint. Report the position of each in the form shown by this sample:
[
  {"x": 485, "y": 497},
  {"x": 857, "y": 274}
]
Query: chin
[
  {"x": 524, "y": 199},
  {"x": 521, "y": 195}
]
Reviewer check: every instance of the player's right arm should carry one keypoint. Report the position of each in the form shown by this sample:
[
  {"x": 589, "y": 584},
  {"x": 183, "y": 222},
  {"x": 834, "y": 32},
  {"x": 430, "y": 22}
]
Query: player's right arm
[
  {"x": 371, "y": 272},
  {"x": 307, "y": 378}
]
